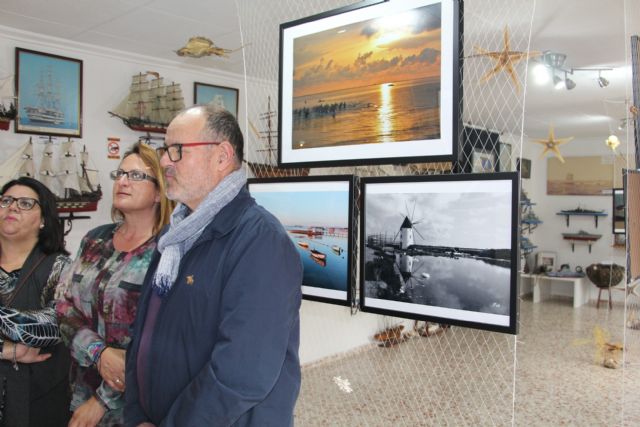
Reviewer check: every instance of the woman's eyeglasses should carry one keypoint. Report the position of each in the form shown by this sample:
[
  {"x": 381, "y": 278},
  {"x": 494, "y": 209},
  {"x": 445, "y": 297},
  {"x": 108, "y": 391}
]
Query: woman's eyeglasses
[
  {"x": 23, "y": 203},
  {"x": 174, "y": 151},
  {"x": 132, "y": 175}
]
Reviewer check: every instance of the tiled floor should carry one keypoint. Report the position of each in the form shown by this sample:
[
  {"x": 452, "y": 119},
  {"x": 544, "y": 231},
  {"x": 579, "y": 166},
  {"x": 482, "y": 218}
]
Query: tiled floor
[{"x": 468, "y": 377}]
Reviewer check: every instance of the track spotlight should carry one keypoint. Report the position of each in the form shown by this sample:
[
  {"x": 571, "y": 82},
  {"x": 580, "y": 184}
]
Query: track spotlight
[
  {"x": 558, "y": 83},
  {"x": 568, "y": 83},
  {"x": 602, "y": 82}
]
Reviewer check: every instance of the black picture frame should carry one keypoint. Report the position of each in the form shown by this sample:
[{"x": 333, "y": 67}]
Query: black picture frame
[
  {"x": 618, "y": 211},
  {"x": 479, "y": 143},
  {"x": 463, "y": 268},
  {"x": 222, "y": 96},
  {"x": 319, "y": 216},
  {"x": 407, "y": 113},
  {"x": 49, "y": 94},
  {"x": 524, "y": 167}
]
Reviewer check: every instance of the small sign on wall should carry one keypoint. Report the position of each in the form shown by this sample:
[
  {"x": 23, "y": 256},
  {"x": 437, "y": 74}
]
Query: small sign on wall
[{"x": 113, "y": 148}]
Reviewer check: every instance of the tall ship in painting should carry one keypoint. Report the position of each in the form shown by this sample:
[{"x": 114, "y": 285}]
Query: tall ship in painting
[
  {"x": 150, "y": 104},
  {"x": 47, "y": 108},
  {"x": 68, "y": 176}
]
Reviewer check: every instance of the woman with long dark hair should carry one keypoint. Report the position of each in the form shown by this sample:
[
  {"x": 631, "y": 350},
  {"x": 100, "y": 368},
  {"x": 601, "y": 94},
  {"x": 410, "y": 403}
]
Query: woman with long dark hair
[{"x": 34, "y": 365}]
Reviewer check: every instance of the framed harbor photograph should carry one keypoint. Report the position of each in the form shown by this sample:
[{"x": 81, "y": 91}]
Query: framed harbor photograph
[
  {"x": 49, "y": 94},
  {"x": 618, "y": 209},
  {"x": 375, "y": 82},
  {"x": 220, "y": 96},
  {"x": 318, "y": 214},
  {"x": 441, "y": 248}
]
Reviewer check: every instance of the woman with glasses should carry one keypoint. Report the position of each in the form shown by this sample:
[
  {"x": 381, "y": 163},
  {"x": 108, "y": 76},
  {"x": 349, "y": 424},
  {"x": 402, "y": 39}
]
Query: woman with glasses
[
  {"x": 102, "y": 286},
  {"x": 32, "y": 256}
]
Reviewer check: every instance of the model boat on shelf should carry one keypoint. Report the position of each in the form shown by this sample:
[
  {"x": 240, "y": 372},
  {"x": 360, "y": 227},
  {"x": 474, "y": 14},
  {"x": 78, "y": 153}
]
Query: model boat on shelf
[
  {"x": 151, "y": 104},
  {"x": 73, "y": 183},
  {"x": 582, "y": 236},
  {"x": 7, "y": 102},
  {"x": 531, "y": 218},
  {"x": 582, "y": 211}
]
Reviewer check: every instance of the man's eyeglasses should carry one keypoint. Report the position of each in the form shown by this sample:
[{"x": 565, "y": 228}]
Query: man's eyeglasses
[
  {"x": 23, "y": 203},
  {"x": 174, "y": 151},
  {"x": 132, "y": 175}
]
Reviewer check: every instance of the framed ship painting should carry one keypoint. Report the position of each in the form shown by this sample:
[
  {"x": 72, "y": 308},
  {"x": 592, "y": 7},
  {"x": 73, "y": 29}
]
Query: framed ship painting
[
  {"x": 371, "y": 83},
  {"x": 49, "y": 94},
  {"x": 318, "y": 214},
  {"x": 220, "y": 96},
  {"x": 441, "y": 248}
]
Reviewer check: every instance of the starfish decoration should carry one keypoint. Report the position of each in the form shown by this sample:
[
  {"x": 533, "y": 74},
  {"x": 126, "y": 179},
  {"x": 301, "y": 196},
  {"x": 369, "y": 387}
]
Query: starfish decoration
[
  {"x": 551, "y": 144},
  {"x": 505, "y": 60}
]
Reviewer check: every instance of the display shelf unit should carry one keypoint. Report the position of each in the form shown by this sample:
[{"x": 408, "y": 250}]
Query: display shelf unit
[{"x": 582, "y": 212}]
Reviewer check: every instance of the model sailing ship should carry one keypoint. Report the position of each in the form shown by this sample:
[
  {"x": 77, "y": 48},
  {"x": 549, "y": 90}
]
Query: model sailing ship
[
  {"x": 74, "y": 184},
  {"x": 150, "y": 104},
  {"x": 7, "y": 102},
  {"x": 268, "y": 168}
]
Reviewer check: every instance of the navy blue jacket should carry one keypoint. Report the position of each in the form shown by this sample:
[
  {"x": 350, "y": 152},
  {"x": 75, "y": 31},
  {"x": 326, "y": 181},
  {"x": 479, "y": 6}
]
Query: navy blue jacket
[{"x": 224, "y": 350}]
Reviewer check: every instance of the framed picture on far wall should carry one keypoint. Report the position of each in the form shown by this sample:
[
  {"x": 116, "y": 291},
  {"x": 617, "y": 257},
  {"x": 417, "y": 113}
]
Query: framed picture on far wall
[
  {"x": 49, "y": 94},
  {"x": 483, "y": 161},
  {"x": 354, "y": 91},
  {"x": 318, "y": 214},
  {"x": 524, "y": 166},
  {"x": 220, "y": 96},
  {"x": 545, "y": 262},
  {"x": 441, "y": 248},
  {"x": 619, "y": 217}
]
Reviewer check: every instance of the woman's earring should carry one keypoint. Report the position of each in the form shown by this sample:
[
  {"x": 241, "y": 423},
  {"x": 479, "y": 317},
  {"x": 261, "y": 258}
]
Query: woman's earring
[{"x": 41, "y": 225}]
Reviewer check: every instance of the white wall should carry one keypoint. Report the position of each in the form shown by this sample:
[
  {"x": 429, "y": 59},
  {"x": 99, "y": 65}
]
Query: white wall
[{"x": 548, "y": 236}]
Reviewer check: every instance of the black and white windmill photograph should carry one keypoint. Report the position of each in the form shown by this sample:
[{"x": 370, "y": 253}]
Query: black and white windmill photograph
[{"x": 441, "y": 247}]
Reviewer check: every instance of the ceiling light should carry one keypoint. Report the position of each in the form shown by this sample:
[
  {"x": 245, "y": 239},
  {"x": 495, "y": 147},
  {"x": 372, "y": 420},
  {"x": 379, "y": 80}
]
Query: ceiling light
[
  {"x": 568, "y": 83},
  {"x": 602, "y": 82},
  {"x": 554, "y": 59},
  {"x": 541, "y": 74},
  {"x": 558, "y": 83}
]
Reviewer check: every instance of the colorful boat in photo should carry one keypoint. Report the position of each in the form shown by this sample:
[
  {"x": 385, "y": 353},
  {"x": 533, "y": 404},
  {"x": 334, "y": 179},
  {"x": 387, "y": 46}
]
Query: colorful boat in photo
[
  {"x": 303, "y": 245},
  {"x": 337, "y": 249},
  {"x": 317, "y": 254}
]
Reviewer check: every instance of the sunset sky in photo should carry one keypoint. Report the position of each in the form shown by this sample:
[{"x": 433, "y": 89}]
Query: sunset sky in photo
[{"x": 389, "y": 49}]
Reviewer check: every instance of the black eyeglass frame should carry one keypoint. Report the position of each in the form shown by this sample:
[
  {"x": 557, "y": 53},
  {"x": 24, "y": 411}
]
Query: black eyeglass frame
[
  {"x": 119, "y": 173},
  {"x": 18, "y": 200},
  {"x": 178, "y": 149}
]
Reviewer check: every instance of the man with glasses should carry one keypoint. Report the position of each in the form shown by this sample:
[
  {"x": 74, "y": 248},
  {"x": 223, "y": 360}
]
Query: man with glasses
[{"x": 217, "y": 330}]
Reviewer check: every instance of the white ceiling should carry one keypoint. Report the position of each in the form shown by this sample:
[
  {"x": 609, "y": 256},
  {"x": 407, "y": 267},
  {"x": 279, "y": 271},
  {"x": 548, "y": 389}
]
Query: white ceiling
[{"x": 591, "y": 33}]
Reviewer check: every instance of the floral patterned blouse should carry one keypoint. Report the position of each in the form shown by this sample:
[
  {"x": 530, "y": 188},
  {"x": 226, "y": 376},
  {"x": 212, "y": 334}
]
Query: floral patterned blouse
[{"x": 100, "y": 295}]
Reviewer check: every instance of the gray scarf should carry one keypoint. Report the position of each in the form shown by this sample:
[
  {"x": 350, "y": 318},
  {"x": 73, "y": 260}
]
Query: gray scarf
[{"x": 185, "y": 228}]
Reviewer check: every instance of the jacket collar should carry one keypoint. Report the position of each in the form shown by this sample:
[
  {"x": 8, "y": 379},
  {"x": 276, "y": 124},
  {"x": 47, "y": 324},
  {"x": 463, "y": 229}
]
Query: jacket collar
[{"x": 228, "y": 217}]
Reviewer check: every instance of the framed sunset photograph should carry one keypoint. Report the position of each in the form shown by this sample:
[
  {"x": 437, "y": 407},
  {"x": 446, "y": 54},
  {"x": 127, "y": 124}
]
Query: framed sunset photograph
[
  {"x": 372, "y": 83},
  {"x": 318, "y": 214}
]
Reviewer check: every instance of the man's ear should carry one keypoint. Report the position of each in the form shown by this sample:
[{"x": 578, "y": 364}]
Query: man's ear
[{"x": 226, "y": 154}]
